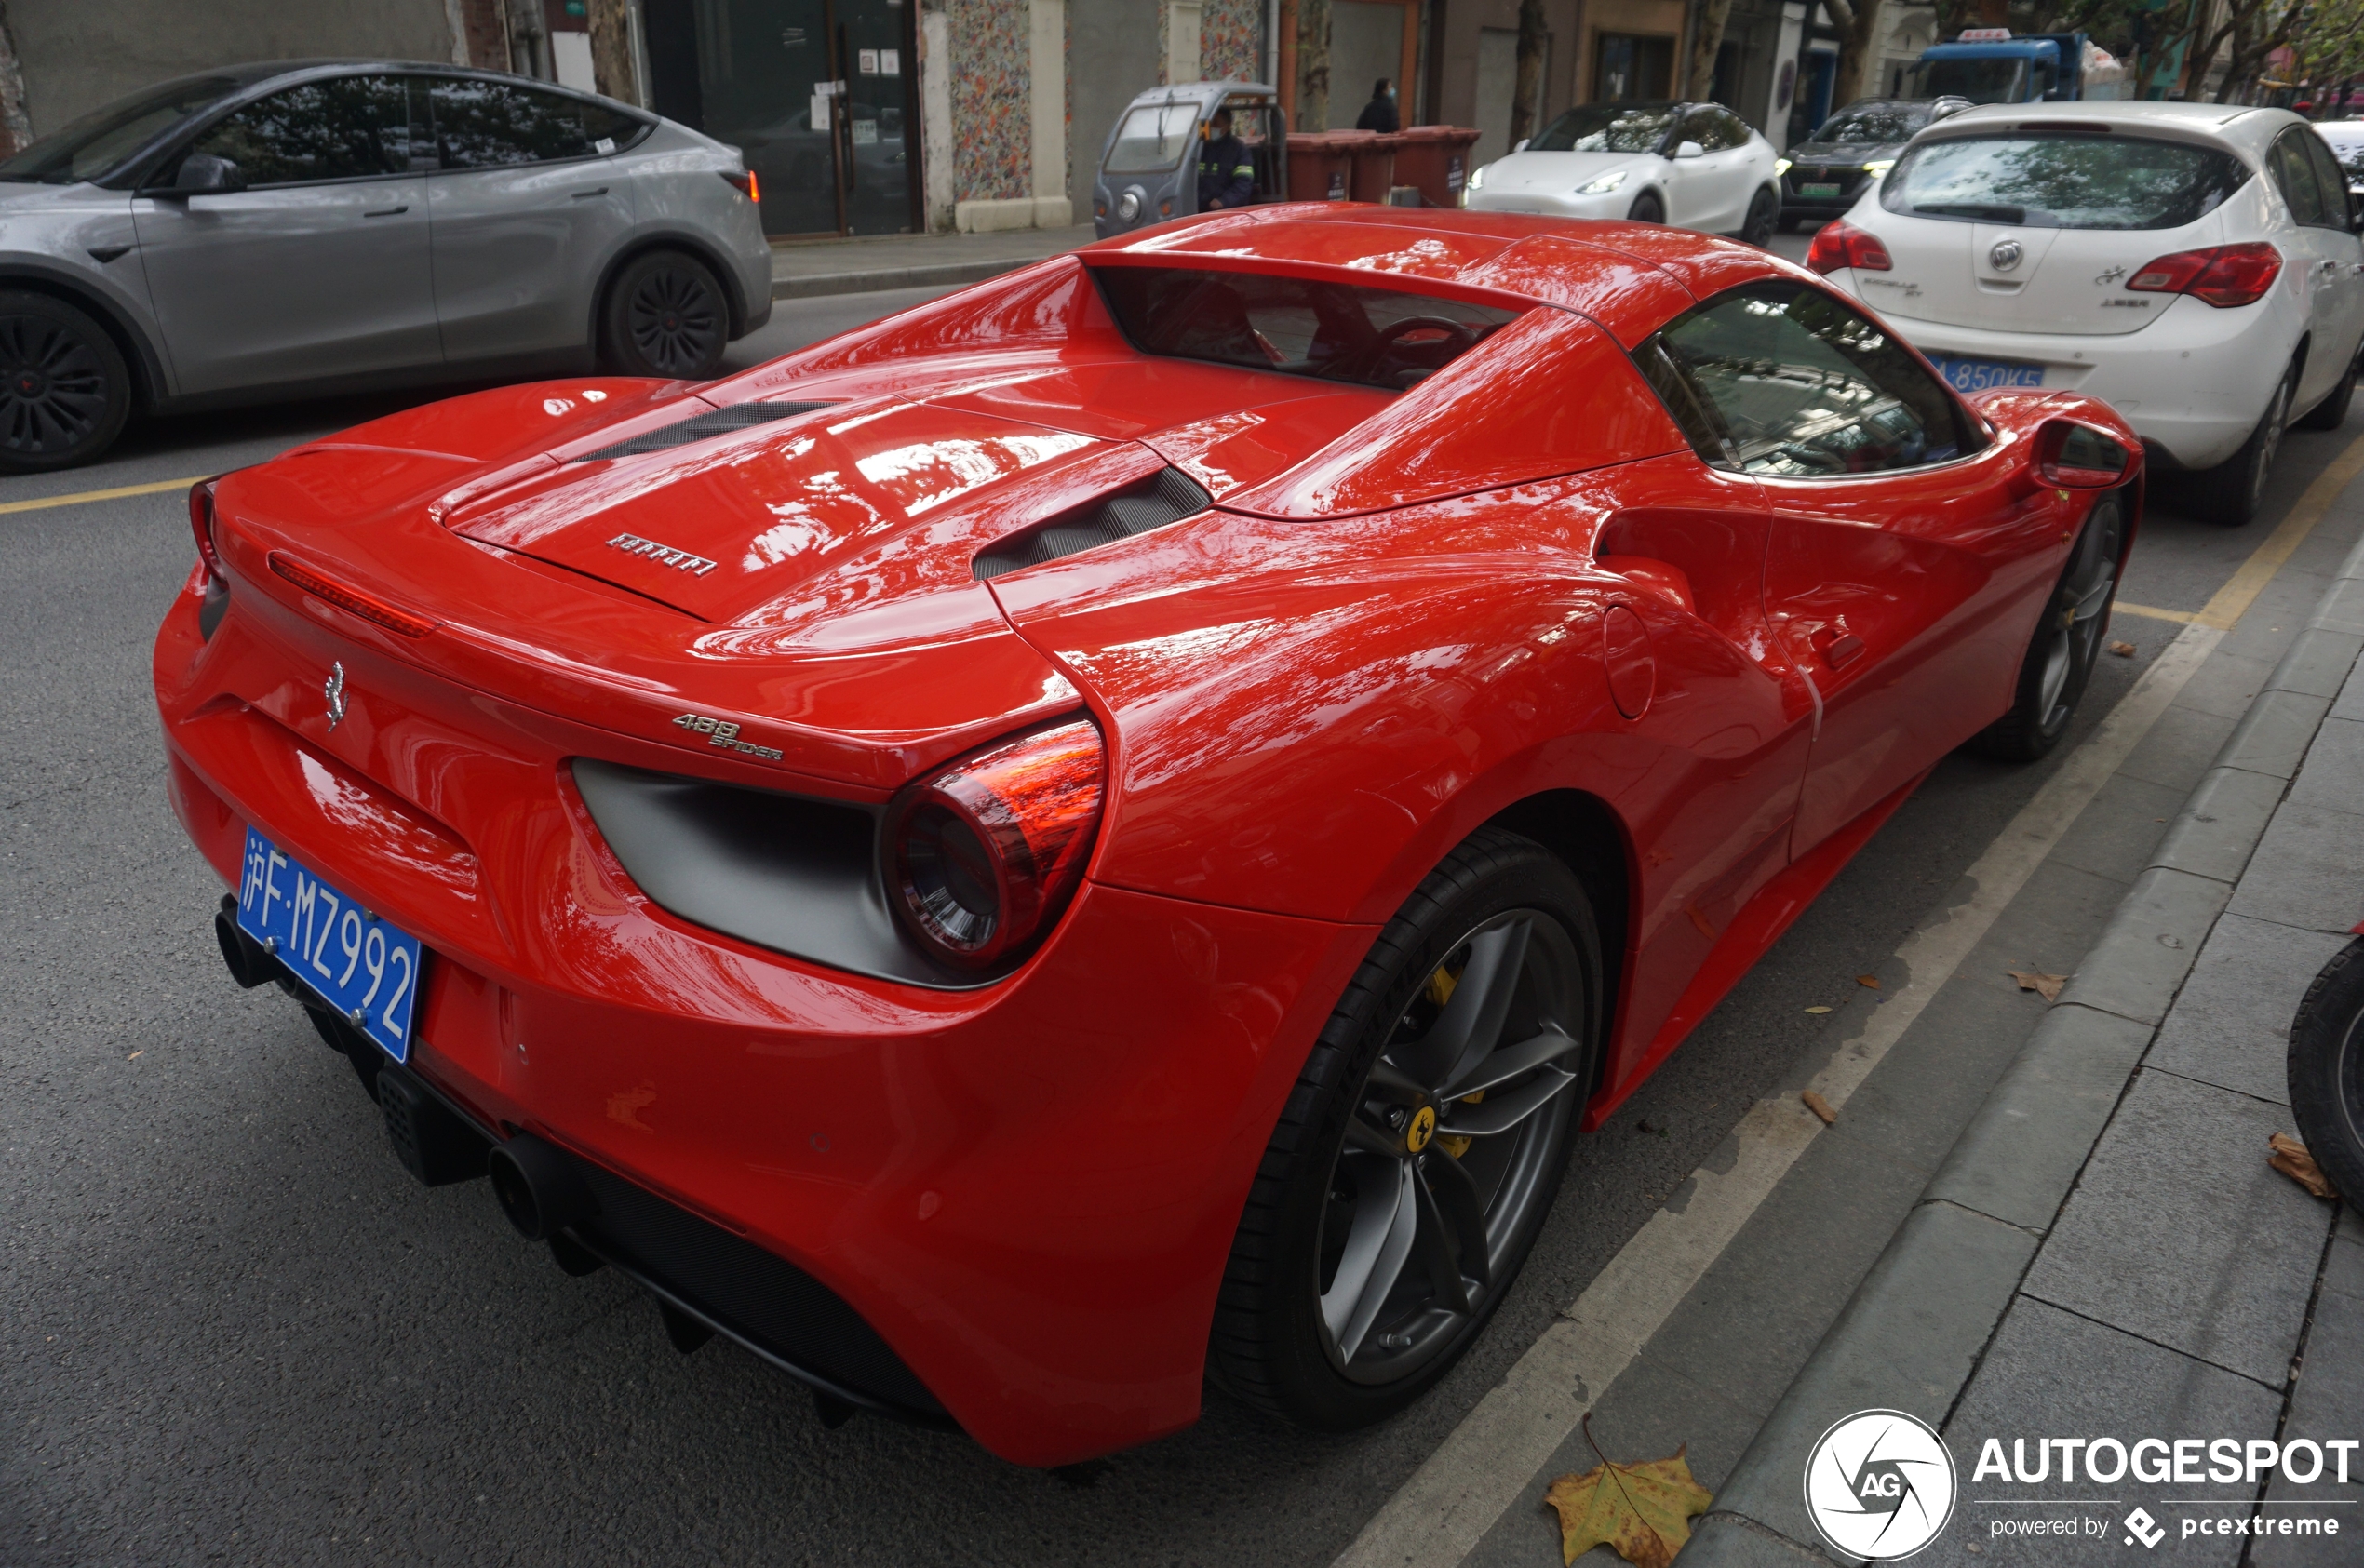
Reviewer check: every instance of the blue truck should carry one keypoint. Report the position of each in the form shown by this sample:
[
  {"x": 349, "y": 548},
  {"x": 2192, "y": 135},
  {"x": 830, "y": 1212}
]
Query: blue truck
[{"x": 1992, "y": 65}]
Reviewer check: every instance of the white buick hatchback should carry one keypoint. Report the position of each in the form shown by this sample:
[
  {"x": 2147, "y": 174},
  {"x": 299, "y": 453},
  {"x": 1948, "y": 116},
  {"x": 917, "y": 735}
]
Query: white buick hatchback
[{"x": 2196, "y": 265}]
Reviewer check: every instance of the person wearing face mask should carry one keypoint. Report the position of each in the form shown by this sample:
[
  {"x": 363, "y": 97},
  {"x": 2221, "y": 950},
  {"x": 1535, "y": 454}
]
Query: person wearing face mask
[
  {"x": 1226, "y": 175},
  {"x": 1379, "y": 113}
]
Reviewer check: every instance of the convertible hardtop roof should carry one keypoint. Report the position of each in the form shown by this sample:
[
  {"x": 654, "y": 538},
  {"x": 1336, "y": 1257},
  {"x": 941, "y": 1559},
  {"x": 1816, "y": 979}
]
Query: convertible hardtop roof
[{"x": 1615, "y": 272}]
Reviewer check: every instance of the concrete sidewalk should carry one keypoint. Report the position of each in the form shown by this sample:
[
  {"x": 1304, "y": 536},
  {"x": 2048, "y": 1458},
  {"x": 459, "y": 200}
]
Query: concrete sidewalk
[
  {"x": 801, "y": 269},
  {"x": 2105, "y": 1253}
]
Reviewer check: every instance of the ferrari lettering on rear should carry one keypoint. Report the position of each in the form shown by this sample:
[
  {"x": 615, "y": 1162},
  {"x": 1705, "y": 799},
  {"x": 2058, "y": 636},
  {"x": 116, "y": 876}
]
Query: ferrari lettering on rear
[
  {"x": 633, "y": 545},
  {"x": 722, "y": 732}
]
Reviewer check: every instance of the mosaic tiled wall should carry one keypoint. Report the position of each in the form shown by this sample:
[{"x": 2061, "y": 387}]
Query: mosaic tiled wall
[
  {"x": 1231, "y": 40},
  {"x": 992, "y": 131}
]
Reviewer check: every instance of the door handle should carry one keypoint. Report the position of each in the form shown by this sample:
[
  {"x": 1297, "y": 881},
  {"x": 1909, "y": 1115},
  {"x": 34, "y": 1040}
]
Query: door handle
[
  {"x": 586, "y": 195},
  {"x": 389, "y": 212}
]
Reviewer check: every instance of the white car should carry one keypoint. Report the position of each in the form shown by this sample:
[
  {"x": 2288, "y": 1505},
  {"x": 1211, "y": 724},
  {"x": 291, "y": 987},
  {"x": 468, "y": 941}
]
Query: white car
[
  {"x": 2196, "y": 265},
  {"x": 1696, "y": 166}
]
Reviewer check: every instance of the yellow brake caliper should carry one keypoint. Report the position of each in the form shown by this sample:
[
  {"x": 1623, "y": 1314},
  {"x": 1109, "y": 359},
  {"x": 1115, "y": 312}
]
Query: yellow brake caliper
[{"x": 1440, "y": 991}]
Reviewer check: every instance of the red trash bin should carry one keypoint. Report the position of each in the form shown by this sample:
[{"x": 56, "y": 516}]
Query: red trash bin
[
  {"x": 1373, "y": 156},
  {"x": 1435, "y": 159},
  {"x": 1320, "y": 168}
]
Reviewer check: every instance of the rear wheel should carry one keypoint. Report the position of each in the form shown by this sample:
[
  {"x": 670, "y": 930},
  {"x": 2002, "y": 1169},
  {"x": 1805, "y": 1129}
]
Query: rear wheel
[
  {"x": 64, "y": 390},
  {"x": 665, "y": 315},
  {"x": 2068, "y": 640},
  {"x": 1646, "y": 208},
  {"x": 1422, "y": 1145},
  {"x": 2327, "y": 1071},
  {"x": 2231, "y": 492},
  {"x": 1765, "y": 210},
  {"x": 2331, "y": 413}
]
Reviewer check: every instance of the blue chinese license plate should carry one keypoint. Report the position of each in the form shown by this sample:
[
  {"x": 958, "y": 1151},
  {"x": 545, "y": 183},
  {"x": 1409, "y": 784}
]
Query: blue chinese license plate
[
  {"x": 361, "y": 966},
  {"x": 1977, "y": 375}
]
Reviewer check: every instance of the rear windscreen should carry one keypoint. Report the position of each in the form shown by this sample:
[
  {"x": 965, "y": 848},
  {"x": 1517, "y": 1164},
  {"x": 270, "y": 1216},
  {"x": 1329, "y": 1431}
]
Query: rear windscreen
[
  {"x": 2062, "y": 182},
  {"x": 1341, "y": 332}
]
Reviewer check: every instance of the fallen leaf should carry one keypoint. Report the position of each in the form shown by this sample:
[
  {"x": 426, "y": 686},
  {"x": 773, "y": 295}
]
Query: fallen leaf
[
  {"x": 2045, "y": 985},
  {"x": 137, "y": 1054},
  {"x": 2123, "y": 649},
  {"x": 1642, "y": 1512},
  {"x": 2290, "y": 1157},
  {"x": 1871, "y": 980},
  {"x": 1818, "y": 1009},
  {"x": 1820, "y": 1106}
]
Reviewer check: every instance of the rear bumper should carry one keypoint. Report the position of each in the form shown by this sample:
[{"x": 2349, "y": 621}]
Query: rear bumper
[
  {"x": 2192, "y": 383},
  {"x": 1023, "y": 1195}
]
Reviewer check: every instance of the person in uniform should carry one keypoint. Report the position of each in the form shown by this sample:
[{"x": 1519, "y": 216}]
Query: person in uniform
[
  {"x": 1379, "y": 113},
  {"x": 1227, "y": 175}
]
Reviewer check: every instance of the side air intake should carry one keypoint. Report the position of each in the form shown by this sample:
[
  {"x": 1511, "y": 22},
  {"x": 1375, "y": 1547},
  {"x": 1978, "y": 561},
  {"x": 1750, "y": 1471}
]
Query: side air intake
[
  {"x": 1167, "y": 496},
  {"x": 714, "y": 422}
]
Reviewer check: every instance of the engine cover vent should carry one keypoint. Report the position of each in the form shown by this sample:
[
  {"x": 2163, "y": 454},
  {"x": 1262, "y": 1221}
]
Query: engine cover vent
[
  {"x": 1167, "y": 496},
  {"x": 714, "y": 422}
]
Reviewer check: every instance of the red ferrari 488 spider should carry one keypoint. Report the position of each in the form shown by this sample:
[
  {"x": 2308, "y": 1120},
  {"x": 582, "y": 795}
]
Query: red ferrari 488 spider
[{"x": 1109, "y": 829}]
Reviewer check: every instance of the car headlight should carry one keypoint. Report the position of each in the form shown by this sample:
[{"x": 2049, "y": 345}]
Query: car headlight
[
  {"x": 1781, "y": 167},
  {"x": 1477, "y": 179},
  {"x": 1128, "y": 206},
  {"x": 1604, "y": 185},
  {"x": 1879, "y": 166},
  {"x": 984, "y": 853}
]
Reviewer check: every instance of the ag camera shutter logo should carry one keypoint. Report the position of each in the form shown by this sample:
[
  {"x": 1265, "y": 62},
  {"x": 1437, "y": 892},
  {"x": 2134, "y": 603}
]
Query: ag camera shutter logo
[{"x": 1880, "y": 1485}]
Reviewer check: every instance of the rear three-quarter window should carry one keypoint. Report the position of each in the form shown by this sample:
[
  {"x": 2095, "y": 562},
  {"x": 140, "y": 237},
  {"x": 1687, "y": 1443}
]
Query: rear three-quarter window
[
  {"x": 1782, "y": 381},
  {"x": 481, "y": 124},
  {"x": 2063, "y": 182},
  {"x": 1342, "y": 332}
]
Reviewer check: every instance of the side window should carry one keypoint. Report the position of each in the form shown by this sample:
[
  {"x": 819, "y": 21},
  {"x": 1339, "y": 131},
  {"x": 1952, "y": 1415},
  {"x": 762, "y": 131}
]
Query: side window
[
  {"x": 2295, "y": 176},
  {"x": 1735, "y": 130},
  {"x": 347, "y": 128},
  {"x": 1699, "y": 126},
  {"x": 2331, "y": 180},
  {"x": 1788, "y": 383},
  {"x": 488, "y": 124}
]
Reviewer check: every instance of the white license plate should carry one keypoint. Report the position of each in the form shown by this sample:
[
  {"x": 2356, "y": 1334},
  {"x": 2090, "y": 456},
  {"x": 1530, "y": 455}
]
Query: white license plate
[
  {"x": 359, "y": 964},
  {"x": 1978, "y": 375}
]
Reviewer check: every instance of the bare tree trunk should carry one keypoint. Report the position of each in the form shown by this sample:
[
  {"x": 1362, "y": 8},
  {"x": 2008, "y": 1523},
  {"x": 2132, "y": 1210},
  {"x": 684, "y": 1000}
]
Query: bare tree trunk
[
  {"x": 1530, "y": 74},
  {"x": 16, "y": 125},
  {"x": 1705, "y": 43},
  {"x": 1313, "y": 64},
  {"x": 1859, "y": 34},
  {"x": 612, "y": 71}
]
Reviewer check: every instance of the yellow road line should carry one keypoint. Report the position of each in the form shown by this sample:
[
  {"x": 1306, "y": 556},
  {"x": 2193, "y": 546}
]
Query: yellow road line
[
  {"x": 2119, "y": 607},
  {"x": 116, "y": 494},
  {"x": 2241, "y": 589}
]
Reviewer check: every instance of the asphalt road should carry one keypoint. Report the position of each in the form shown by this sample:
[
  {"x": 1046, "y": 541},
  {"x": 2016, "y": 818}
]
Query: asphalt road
[{"x": 236, "y": 1332}]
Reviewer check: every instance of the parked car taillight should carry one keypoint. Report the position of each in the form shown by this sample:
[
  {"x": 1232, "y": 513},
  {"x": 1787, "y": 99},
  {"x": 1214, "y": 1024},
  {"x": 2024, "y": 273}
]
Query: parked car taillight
[
  {"x": 201, "y": 524},
  {"x": 1843, "y": 244},
  {"x": 984, "y": 855},
  {"x": 2223, "y": 275},
  {"x": 745, "y": 183}
]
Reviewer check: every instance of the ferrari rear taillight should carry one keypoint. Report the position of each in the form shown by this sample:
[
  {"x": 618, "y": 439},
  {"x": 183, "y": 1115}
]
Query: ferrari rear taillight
[
  {"x": 985, "y": 854},
  {"x": 201, "y": 524},
  {"x": 1843, "y": 244},
  {"x": 2223, "y": 275},
  {"x": 351, "y": 600}
]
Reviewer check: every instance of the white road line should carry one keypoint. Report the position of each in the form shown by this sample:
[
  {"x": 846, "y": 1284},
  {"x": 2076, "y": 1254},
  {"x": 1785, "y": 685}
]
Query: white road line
[{"x": 1480, "y": 1469}]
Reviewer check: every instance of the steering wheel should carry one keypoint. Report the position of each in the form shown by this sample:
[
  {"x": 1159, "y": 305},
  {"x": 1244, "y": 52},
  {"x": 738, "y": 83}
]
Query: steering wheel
[{"x": 1459, "y": 339}]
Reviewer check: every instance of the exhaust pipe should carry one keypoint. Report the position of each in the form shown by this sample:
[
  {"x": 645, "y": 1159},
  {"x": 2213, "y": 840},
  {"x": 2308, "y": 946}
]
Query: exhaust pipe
[
  {"x": 249, "y": 964},
  {"x": 539, "y": 1187}
]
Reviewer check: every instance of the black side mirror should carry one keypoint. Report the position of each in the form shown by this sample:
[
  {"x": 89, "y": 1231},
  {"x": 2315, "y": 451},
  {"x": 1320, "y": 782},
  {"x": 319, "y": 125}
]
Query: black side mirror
[
  {"x": 2355, "y": 212},
  {"x": 201, "y": 174}
]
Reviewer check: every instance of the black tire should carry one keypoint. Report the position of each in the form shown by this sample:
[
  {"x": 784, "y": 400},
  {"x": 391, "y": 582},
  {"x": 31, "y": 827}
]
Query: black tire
[
  {"x": 2327, "y": 1071},
  {"x": 1646, "y": 208},
  {"x": 665, "y": 315},
  {"x": 1765, "y": 212},
  {"x": 2331, "y": 413},
  {"x": 2231, "y": 493},
  {"x": 2067, "y": 643},
  {"x": 64, "y": 389},
  {"x": 1517, "y": 922}
]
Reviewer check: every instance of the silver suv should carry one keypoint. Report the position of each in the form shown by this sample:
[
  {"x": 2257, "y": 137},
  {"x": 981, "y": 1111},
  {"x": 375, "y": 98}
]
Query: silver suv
[{"x": 315, "y": 226}]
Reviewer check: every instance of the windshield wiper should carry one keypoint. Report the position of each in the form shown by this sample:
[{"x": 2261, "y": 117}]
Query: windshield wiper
[{"x": 1992, "y": 213}]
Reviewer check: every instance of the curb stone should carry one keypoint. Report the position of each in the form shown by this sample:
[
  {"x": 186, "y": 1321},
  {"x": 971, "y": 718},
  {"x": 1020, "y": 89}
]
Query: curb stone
[{"x": 1912, "y": 1334}]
